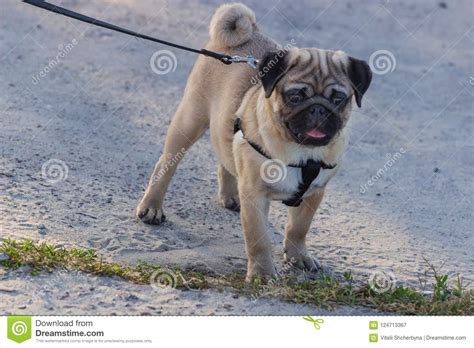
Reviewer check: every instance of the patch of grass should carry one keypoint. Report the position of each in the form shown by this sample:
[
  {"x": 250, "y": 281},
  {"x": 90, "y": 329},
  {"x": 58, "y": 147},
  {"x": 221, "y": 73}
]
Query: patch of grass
[
  {"x": 324, "y": 291},
  {"x": 47, "y": 257}
]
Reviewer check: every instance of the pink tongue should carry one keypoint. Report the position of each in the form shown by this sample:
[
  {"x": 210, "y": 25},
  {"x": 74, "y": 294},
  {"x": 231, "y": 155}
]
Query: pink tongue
[{"x": 315, "y": 133}]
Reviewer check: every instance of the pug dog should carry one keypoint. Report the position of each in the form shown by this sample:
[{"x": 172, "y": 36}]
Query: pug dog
[{"x": 278, "y": 132}]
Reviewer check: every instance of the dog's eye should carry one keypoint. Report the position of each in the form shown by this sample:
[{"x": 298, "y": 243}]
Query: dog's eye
[
  {"x": 295, "y": 97},
  {"x": 338, "y": 97}
]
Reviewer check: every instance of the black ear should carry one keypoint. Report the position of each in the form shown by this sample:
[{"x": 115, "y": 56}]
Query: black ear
[
  {"x": 360, "y": 76},
  {"x": 271, "y": 69}
]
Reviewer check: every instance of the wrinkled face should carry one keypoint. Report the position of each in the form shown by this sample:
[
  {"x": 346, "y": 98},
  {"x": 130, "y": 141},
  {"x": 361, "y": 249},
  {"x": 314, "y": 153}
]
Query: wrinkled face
[{"x": 310, "y": 91}]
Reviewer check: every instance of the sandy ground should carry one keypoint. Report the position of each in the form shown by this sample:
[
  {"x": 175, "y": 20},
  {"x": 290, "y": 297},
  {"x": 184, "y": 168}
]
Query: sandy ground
[
  {"x": 74, "y": 293},
  {"x": 103, "y": 113}
]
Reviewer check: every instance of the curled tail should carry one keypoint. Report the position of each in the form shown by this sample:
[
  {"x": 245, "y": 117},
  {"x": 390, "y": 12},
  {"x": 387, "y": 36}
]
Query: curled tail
[{"x": 232, "y": 25}]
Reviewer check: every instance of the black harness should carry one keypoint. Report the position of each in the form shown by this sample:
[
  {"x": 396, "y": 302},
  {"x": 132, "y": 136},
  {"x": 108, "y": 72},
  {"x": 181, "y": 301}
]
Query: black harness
[{"x": 309, "y": 171}]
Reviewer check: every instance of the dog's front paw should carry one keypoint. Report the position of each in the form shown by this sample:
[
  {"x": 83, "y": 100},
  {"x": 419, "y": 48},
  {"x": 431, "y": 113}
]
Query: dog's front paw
[
  {"x": 264, "y": 269},
  {"x": 231, "y": 202},
  {"x": 302, "y": 260},
  {"x": 150, "y": 214}
]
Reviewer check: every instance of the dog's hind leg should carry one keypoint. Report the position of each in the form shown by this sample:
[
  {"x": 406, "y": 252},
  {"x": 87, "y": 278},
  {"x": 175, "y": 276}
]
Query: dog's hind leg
[
  {"x": 186, "y": 127},
  {"x": 228, "y": 190}
]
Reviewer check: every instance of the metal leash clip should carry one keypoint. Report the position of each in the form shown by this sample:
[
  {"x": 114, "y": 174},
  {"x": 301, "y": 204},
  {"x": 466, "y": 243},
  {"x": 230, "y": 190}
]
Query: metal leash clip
[{"x": 248, "y": 59}]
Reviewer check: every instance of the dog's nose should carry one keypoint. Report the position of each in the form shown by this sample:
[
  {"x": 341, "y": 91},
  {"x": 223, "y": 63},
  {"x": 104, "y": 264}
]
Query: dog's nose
[{"x": 318, "y": 110}]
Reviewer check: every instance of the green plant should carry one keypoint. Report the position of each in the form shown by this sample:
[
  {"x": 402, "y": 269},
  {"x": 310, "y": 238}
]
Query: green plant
[{"x": 323, "y": 291}]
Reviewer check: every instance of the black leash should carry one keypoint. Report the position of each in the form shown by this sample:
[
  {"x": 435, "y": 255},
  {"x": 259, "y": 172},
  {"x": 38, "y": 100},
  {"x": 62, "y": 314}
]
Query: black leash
[
  {"x": 309, "y": 171},
  {"x": 224, "y": 58}
]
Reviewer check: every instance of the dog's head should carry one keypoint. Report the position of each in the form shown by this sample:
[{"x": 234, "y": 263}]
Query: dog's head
[{"x": 309, "y": 91}]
